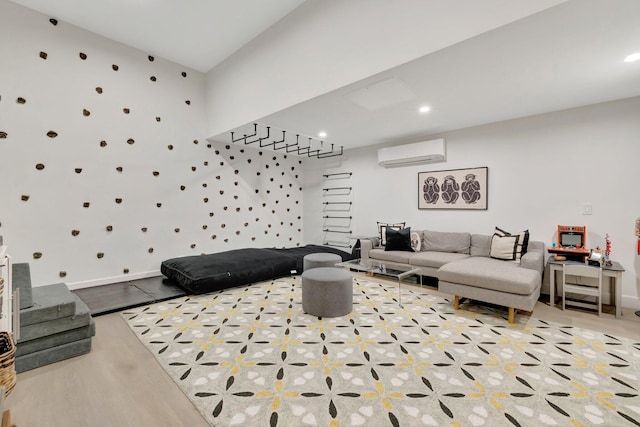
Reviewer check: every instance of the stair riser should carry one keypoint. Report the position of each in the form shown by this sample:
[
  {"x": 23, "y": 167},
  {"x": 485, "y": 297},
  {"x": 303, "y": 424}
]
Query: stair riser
[
  {"x": 65, "y": 337},
  {"x": 52, "y": 355}
]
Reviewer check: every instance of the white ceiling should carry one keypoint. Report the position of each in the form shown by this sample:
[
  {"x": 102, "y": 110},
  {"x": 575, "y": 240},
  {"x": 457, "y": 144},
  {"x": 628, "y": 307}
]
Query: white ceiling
[
  {"x": 196, "y": 33},
  {"x": 566, "y": 56}
]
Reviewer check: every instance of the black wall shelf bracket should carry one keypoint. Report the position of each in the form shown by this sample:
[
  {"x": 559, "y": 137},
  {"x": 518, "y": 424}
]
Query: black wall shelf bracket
[
  {"x": 336, "y": 188},
  {"x": 329, "y": 175}
]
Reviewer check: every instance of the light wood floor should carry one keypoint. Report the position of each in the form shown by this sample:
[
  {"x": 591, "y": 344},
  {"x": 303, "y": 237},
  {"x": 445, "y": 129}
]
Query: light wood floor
[{"x": 120, "y": 383}]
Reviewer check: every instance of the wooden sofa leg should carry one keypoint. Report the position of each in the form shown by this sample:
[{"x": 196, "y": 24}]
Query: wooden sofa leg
[
  {"x": 512, "y": 314},
  {"x": 456, "y": 302}
]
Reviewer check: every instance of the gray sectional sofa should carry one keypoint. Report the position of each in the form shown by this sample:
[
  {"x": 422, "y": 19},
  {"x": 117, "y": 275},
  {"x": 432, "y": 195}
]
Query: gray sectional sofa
[{"x": 464, "y": 267}]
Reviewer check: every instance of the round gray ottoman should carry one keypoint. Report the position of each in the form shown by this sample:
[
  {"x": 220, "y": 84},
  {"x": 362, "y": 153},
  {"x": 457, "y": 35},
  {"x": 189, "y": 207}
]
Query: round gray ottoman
[
  {"x": 320, "y": 259},
  {"x": 327, "y": 292}
]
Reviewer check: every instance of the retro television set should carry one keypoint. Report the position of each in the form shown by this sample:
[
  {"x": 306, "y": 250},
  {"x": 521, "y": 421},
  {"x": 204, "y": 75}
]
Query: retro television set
[
  {"x": 571, "y": 236},
  {"x": 571, "y": 243}
]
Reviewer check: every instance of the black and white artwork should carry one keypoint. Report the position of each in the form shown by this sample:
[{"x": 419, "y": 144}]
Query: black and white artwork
[{"x": 453, "y": 189}]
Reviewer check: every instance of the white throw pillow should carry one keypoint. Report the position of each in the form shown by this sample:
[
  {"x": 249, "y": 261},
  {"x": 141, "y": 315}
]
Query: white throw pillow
[
  {"x": 504, "y": 247},
  {"x": 523, "y": 241},
  {"x": 416, "y": 241}
]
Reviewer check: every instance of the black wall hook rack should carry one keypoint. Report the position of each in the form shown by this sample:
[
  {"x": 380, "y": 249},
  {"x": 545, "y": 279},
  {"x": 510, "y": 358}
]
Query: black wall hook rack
[{"x": 267, "y": 140}]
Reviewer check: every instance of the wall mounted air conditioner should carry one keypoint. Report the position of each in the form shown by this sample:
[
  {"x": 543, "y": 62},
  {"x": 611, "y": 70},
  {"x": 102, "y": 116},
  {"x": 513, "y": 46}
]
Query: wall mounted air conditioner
[{"x": 412, "y": 154}]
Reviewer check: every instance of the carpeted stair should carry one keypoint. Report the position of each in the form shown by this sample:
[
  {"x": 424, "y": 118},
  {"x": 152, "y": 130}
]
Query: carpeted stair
[{"x": 54, "y": 323}]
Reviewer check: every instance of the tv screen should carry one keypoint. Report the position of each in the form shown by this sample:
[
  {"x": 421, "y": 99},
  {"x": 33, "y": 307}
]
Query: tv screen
[{"x": 570, "y": 239}]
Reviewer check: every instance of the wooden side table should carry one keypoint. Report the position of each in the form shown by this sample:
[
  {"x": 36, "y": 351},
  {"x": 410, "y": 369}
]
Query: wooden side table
[{"x": 612, "y": 272}]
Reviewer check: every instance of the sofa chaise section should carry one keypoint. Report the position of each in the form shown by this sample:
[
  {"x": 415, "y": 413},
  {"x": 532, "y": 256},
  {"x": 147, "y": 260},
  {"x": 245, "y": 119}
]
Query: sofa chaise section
[{"x": 464, "y": 267}]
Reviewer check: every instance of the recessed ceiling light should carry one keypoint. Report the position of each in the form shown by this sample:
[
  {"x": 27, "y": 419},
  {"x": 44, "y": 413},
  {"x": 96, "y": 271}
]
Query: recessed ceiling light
[
  {"x": 322, "y": 134},
  {"x": 633, "y": 57},
  {"x": 424, "y": 109}
]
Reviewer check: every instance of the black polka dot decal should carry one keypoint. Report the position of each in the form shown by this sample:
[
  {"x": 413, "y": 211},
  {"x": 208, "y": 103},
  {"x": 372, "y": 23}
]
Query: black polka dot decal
[
  {"x": 37, "y": 255},
  {"x": 165, "y": 164}
]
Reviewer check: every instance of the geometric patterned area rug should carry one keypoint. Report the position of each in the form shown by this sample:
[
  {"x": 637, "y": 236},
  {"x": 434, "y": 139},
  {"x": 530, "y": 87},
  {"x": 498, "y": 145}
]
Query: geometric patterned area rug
[{"x": 249, "y": 356}]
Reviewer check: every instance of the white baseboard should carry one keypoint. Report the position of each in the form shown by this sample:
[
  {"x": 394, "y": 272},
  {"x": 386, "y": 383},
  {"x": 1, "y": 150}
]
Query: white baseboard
[
  {"x": 628, "y": 301},
  {"x": 114, "y": 279}
]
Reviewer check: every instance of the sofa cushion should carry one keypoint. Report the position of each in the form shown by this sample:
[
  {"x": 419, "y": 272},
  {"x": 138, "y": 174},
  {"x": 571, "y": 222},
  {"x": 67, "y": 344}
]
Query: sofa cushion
[
  {"x": 382, "y": 230},
  {"x": 504, "y": 247},
  {"x": 401, "y": 257},
  {"x": 446, "y": 241},
  {"x": 434, "y": 259},
  {"x": 489, "y": 273},
  {"x": 398, "y": 240},
  {"x": 480, "y": 245}
]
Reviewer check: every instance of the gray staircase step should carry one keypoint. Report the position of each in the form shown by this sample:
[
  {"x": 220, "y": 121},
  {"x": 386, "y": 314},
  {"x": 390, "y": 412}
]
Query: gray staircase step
[
  {"x": 21, "y": 279},
  {"x": 52, "y": 355},
  {"x": 79, "y": 317},
  {"x": 54, "y": 340},
  {"x": 49, "y": 303}
]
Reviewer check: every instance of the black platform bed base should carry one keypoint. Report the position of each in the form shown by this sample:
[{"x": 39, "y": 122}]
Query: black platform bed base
[{"x": 207, "y": 273}]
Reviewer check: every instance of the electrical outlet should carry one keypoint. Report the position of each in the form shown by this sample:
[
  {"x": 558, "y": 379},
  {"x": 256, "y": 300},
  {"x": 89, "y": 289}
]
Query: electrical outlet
[{"x": 587, "y": 209}]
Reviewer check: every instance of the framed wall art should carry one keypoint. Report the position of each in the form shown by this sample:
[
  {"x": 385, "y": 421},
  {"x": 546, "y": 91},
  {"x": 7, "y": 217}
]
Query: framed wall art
[{"x": 453, "y": 189}]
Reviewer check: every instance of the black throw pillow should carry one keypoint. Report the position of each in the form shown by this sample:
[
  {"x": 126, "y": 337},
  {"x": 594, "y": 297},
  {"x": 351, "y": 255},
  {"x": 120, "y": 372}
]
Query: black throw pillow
[{"x": 398, "y": 240}]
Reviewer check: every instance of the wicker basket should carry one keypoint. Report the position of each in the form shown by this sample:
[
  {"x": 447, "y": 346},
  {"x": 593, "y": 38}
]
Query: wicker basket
[{"x": 7, "y": 362}]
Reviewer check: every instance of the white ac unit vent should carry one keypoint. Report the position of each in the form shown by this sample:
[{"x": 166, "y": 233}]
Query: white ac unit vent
[{"x": 412, "y": 154}]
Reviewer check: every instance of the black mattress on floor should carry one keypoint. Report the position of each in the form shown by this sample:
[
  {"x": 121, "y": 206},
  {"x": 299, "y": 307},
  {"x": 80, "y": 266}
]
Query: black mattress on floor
[{"x": 206, "y": 273}]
